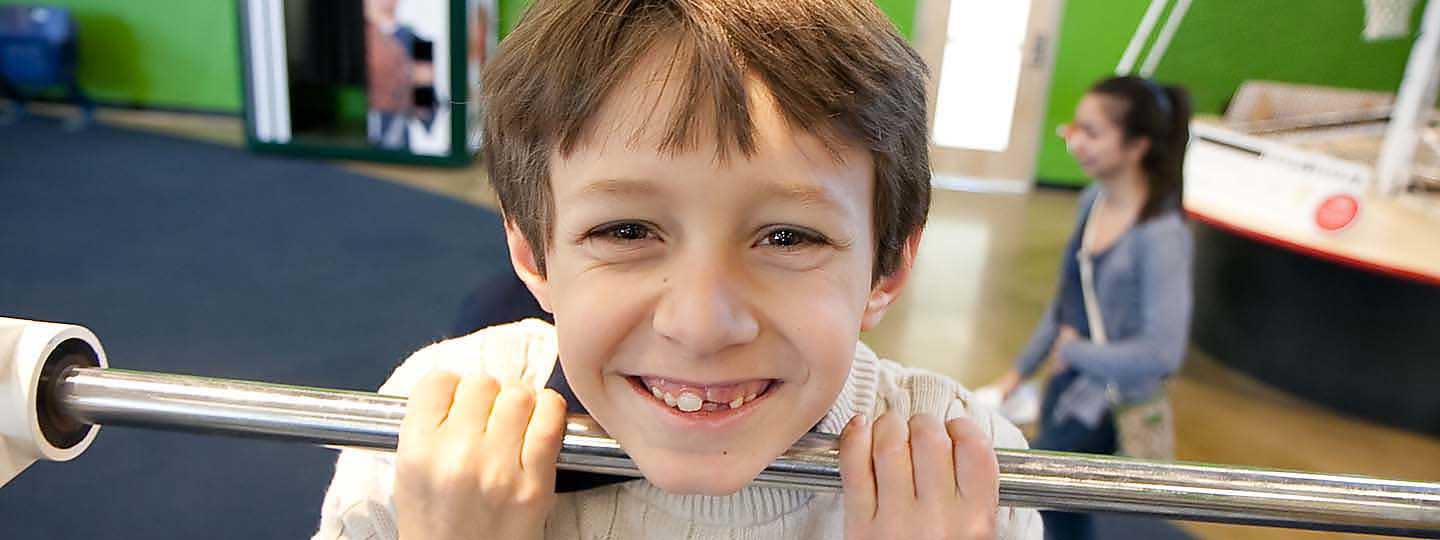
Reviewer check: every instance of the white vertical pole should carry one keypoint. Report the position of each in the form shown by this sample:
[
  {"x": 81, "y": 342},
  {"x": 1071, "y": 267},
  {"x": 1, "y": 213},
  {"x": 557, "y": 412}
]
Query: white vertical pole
[
  {"x": 1412, "y": 106},
  {"x": 1162, "y": 43},
  {"x": 259, "y": 69},
  {"x": 279, "y": 69},
  {"x": 1142, "y": 34}
]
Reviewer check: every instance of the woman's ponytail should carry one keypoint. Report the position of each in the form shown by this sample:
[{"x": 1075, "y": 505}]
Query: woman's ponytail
[{"x": 1162, "y": 115}]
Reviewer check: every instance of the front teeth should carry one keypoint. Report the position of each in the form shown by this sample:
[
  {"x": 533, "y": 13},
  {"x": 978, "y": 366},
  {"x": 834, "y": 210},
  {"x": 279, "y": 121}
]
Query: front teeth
[{"x": 690, "y": 402}]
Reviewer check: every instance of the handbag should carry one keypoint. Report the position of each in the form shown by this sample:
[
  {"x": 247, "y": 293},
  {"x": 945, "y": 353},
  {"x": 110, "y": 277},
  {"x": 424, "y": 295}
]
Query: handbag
[{"x": 1145, "y": 428}]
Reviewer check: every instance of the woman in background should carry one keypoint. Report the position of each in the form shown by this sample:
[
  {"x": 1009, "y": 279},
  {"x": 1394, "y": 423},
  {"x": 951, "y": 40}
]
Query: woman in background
[{"x": 1132, "y": 244}]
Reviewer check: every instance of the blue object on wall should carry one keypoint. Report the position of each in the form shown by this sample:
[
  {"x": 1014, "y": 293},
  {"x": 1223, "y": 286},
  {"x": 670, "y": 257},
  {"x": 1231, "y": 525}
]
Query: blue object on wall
[{"x": 37, "y": 49}]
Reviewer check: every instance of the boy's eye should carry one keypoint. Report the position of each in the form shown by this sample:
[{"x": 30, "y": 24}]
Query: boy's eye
[
  {"x": 623, "y": 232},
  {"x": 790, "y": 238}
]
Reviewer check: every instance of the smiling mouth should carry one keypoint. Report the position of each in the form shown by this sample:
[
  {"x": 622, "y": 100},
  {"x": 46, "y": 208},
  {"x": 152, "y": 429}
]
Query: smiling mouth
[{"x": 695, "y": 398}]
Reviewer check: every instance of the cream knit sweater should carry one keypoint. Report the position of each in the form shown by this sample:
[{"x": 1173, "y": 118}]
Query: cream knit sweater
[{"x": 358, "y": 507}]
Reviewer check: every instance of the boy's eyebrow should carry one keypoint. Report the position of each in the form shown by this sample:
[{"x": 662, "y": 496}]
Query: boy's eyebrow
[
  {"x": 620, "y": 186},
  {"x": 806, "y": 195}
]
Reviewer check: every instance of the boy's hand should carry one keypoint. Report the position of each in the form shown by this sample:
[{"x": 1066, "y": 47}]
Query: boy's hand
[
  {"x": 477, "y": 459},
  {"x": 918, "y": 479}
]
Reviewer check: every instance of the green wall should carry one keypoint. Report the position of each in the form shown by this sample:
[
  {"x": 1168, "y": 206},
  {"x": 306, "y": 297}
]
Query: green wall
[
  {"x": 1219, "y": 45},
  {"x": 185, "y": 55},
  {"x": 159, "y": 53}
]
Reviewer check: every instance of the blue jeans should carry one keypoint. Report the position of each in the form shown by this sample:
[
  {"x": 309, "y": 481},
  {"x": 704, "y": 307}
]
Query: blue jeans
[{"x": 1070, "y": 435}]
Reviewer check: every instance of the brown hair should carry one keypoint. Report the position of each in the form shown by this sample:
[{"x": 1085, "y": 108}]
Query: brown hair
[
  {"x": 836, "y": 69},
  {"x": 1162, "y": 114}
]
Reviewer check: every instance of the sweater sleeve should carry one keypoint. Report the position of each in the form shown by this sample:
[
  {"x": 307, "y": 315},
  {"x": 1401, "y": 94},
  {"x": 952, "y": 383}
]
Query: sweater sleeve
[
  {"x": 358, "y": 504},
  {"x": 1043, "y": 338},
  {"x": 1157, "y": 349},
  {"x": 1040, "y": 342}
]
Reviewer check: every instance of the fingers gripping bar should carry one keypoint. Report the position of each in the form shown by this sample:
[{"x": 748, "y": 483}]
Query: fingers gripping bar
[{"x": 74, "y": 393}]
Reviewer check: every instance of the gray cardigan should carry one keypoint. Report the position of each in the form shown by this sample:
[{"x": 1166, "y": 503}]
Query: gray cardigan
[{"x": 1144, "y": 291}]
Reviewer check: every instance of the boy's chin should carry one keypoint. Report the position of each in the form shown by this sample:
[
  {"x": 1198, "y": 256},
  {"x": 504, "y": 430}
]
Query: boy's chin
[{"x": 698, "y": 476}]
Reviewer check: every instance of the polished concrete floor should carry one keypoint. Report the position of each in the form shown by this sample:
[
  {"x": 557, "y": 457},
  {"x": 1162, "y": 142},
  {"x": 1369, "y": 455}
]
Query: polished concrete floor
[{"x": 986, "y": 269}]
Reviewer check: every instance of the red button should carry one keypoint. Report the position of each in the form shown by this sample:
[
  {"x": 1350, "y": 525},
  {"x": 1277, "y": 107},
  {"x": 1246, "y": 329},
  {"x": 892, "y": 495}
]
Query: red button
[{"x": 1337, "y": 212}]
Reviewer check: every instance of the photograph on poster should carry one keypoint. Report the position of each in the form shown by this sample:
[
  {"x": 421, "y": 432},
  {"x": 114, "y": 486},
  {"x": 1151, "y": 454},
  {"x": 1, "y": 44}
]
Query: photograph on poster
[
  {"x": 367, "y": 76},
  {"x": 407, "y": 76}
]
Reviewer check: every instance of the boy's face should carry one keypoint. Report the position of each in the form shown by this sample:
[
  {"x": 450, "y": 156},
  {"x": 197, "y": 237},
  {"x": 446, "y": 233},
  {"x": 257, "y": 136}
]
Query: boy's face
[{"x": 716, "y": 282}]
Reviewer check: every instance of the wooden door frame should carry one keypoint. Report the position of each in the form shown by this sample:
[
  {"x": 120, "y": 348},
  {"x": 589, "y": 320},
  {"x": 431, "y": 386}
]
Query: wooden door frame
[{"x": 994, "y": 171}]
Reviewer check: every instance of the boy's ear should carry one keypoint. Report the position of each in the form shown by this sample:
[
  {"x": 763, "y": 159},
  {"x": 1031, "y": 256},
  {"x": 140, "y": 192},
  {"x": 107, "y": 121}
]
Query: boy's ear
[
  {"x": 523, "y": 259},
  {"x": 887, "y": 289}
]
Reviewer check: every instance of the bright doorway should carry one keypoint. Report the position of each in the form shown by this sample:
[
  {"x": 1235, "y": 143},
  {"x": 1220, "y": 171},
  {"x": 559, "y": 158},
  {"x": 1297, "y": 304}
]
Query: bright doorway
[{"x": 990, "y": 81}]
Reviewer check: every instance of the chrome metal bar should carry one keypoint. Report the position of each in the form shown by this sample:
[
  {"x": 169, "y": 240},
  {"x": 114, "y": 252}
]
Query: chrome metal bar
[{"x": 1051, "y": 480}]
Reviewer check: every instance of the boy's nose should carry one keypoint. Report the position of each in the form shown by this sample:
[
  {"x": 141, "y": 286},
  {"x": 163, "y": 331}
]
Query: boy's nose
[{"x": 701, "y": 312}]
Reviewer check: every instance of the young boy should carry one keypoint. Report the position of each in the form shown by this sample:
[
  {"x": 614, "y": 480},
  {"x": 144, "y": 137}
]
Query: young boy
[{"x": 713, "y": 198}]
